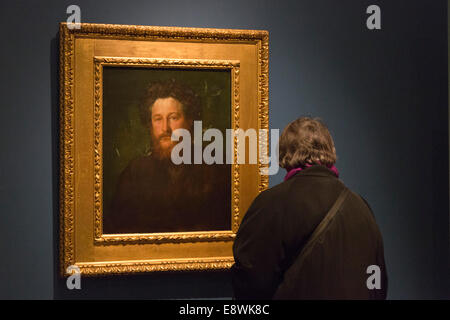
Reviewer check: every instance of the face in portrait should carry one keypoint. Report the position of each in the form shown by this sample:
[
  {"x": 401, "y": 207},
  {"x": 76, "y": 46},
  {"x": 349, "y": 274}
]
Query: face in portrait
[
  {"x": 166, "y": 116},
  {"x": 143, "y": 190}
]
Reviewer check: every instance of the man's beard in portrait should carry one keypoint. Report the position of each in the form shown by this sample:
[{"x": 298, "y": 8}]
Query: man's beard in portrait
[
  {"x": 162, "y": 150},
  {"x": 162, "y": 146}
]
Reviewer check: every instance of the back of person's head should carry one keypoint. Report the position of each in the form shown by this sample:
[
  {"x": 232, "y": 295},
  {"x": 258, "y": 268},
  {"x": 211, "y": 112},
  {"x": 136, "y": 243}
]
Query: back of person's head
[{"x": 306, "y": 141}]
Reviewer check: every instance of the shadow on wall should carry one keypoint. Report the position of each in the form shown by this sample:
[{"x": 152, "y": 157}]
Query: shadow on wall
[{"x": 162, "y": 285}]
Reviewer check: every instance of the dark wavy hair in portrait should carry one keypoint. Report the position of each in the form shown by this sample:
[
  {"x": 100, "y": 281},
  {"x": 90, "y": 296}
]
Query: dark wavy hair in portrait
[
  {"x": 169, "y": 89},
  {"x": 306, "y": 141}
]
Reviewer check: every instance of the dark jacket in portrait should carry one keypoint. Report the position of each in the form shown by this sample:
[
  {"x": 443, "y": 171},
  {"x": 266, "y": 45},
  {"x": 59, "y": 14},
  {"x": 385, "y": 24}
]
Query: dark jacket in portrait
[
  {"x": 155, "y": 195},
  {"x": 279, "y": 223}
]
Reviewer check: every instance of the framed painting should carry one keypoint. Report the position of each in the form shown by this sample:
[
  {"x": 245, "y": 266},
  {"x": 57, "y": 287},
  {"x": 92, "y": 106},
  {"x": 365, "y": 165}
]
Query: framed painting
[{"x": 125, "y": 205}]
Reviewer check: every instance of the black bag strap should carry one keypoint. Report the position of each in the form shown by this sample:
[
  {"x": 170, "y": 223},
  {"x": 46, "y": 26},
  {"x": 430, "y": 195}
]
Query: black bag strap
[
  {"x": 286, "y": 286},
  {"x": 322, "y": 226}
]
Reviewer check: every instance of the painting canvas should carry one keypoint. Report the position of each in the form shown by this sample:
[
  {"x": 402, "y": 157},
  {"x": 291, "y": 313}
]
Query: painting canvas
[{"x": 143, "y": 190}]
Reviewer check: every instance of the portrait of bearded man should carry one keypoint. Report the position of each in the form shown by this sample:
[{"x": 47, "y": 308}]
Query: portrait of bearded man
[{"x": 155, "y": 195}]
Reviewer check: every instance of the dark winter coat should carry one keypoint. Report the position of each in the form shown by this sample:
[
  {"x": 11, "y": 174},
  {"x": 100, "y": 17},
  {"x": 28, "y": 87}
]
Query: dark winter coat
[{"x": 279, "y": 223}]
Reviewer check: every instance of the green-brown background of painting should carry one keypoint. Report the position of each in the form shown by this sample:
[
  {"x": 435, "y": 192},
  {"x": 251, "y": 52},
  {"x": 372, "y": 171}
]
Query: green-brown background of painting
[{"x": 124, "y": 135}]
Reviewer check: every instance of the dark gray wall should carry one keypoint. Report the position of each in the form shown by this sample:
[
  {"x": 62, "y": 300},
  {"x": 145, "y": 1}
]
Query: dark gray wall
[{"x": 382, "y": 93}]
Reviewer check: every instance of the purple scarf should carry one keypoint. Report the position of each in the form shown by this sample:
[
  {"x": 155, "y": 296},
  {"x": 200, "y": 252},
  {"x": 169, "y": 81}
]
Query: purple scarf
[{"x": 295, "y": 170}]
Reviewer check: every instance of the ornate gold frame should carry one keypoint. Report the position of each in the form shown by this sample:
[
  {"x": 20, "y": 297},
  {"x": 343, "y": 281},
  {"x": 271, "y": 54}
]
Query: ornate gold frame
[
  {"x": 99, "y": 63},
  {"x": 83, "y": 53}
]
